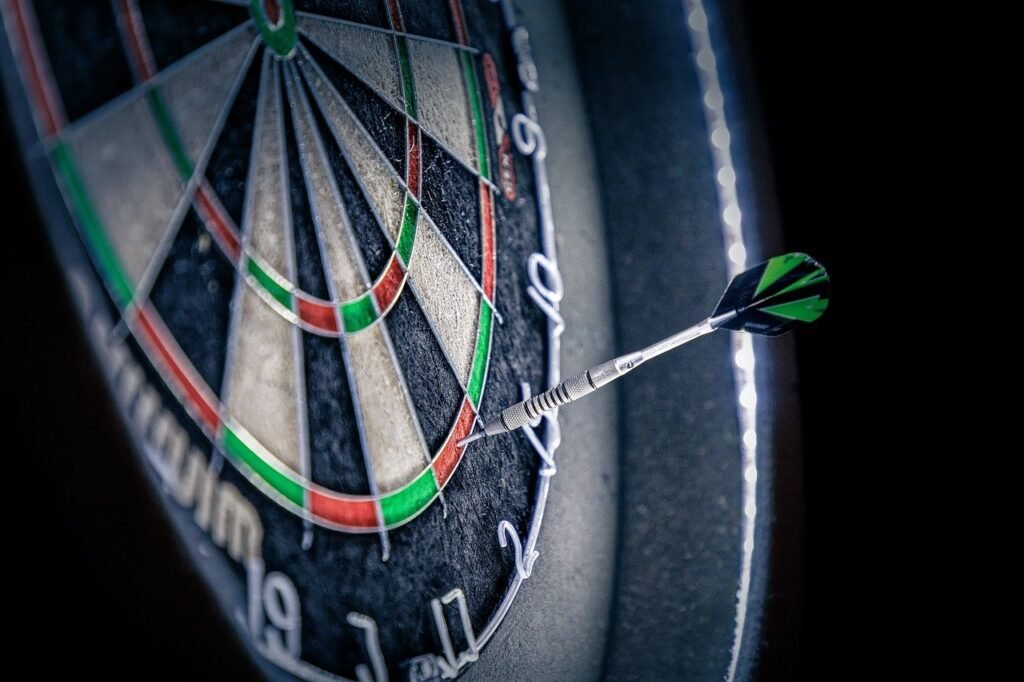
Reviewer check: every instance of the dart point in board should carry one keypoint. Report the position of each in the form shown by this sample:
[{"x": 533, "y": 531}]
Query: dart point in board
[{"x": 769, "y": 299}]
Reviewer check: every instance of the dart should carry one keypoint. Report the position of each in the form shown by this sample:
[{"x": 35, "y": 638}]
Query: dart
[{"x": 769, "y": 299}]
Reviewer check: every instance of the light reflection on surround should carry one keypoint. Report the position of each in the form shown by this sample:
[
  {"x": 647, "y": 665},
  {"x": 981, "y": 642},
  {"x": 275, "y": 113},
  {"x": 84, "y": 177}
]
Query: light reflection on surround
[{"x": 736, "y": 262}]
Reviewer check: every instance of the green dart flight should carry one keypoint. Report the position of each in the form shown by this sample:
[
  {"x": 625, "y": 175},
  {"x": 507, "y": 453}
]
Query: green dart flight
[
  {"x": 773, "y": 297},
  {"x": 769, "y": 299}
]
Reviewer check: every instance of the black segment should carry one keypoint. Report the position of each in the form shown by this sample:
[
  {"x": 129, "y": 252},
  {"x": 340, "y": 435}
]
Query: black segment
[
  {"x": 335, "y": 452},
  {"x": 87, "y": 58},
  {"x": 177, "y": 28},
  {"x": 431, "y": 18},
  {"x": 451, "y": 197},
  {"x": 385, "y": 124},
  {"x": 741, "y": 290},
  {"x": 370, "y": 12},
  {"x": 196, "y": 277},
  {"x": 308, "y": 261},
  {"x": 369, "y": 233},
  {"x": 434, "y": 388},
  {"x": 228, "y": 167},
  {"x": 483, "y": 27}
]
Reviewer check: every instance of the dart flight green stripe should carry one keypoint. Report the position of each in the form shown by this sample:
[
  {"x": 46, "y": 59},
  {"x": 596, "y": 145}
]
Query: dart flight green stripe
[
  {"x": 808, "y": 280},
  {"x": 776, "y": 268},
  {"x": 804, "y": 310}
]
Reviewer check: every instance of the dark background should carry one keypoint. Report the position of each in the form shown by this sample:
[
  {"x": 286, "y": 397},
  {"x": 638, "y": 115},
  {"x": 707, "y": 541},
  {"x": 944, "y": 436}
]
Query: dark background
[
  {"x": 797, "y": 61},
  {"x": 105, "y": 590}
]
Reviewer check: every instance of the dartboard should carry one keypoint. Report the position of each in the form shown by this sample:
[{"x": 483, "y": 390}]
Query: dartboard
[
  {"x": 305, "y": 272},
  {"x": 314, "y": 244}
]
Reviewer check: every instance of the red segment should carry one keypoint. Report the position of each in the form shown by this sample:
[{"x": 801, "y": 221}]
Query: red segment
[
  {"x": 219, "y": 224},
  {"x": 389, "y": 285},
  {"x": 155, "y": 336},
  {"x": 451, "y": 454},
  {"x": 319, "y": 315},
  {"x": 491, "y": 78},
  {"x": 459, "y": 21},
  {"x": 487, "y": 237},
  {"x": 272, "y": 11},
  {"x": 344, "y": 512},
  {"x": 412, "y": 175},
  {"x": 131, "y": 23},
  {"x": 396, "y": 16},
  {"x": 507, "y": 169},
  {"x": 38, "y": 84}
]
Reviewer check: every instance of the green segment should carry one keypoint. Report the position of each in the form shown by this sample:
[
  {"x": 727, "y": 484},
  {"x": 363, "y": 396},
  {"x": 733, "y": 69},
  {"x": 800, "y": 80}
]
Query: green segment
[
  {"x": 240, "y": 452},
  {"x": 814, "y": 278},
  {"x": 170, "y": 134},
  {"x": 778, "y": 267},
  {"x": 483, "y": 346},
  {"x": 804, "y": 310},
  {"x": 469, "y": 73},
  {"x": 407, "y": 235},
  {"x": 400, "y": 505},
  {"x": 407, "y": 84},
  {"x": 359, "y": 314},
  {"x": 91, "y": 225},
  {"x": 280, "y": 37},
  {"x": 278, "y": 292}
]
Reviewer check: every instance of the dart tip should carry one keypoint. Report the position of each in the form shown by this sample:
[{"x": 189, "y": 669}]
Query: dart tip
[{"x": 469, "y": 439}]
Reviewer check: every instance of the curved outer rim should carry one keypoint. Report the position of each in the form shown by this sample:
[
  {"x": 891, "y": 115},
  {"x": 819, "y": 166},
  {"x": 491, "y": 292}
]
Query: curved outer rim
[{"x": 555, "y": 328}]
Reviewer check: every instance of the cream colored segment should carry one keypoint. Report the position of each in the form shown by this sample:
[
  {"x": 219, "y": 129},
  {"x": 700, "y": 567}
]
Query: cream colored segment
[
  {"x": 371, "y": 168},
  {"x": 447, "y": 295},
  {"x": 130, "y": 178},
  {"x": 344, "y": 266},
  {"x": 441, "y": 102},
  {"x": 396, "y": 449},
  {"x": 196, "y": 93},
  {"x": 370, "y": 55},
  {"x": 262, "y": 385},
  {"x": 266, "y": 231}
]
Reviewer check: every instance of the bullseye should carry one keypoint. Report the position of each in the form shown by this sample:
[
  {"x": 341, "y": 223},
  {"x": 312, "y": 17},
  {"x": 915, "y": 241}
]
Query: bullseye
[
  {"x": 275, "y": 20},
  {"x": 272, "y": 11}
]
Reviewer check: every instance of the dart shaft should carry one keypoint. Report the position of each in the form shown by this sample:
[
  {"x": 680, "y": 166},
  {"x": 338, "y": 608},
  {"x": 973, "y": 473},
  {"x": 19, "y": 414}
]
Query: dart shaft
[
  {"x": 584, "y": 383},
  {"x": 696, "y": 331}
]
